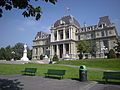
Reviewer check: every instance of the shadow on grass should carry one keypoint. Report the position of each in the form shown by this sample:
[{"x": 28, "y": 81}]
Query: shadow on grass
[
  {"x": 101, "y": 82},
  {"x": 6, "y": 84},
  {"x": 109, "y": 82},
  {"x": 28, "y": 74},
  {"x": 53, "y": 77},
  {"x": 77, "y": 79}
]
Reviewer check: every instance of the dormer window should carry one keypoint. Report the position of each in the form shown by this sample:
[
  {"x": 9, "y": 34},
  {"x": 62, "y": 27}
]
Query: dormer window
[
  {"x": 104, "y": 24},
  {"x": 62, "y": 22},
  {"x": 100, "y": 25},
  {"x": 71, "y": 20}
]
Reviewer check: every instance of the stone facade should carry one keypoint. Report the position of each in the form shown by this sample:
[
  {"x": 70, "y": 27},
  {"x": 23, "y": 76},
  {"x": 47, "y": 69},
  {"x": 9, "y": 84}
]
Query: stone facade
[
  {"x": 41, "y": 45},
  {"x": 66, "y": 32}
]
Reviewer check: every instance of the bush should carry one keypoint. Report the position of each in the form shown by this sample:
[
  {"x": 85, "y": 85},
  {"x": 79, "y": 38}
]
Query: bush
[
  {"x": 41, "y": 57},
  {"x": 55, "y": 58},
  {"x": 118, "y": 55},
  {"x": 111, "y": 54},
  {"x": 80, "y": 56}
]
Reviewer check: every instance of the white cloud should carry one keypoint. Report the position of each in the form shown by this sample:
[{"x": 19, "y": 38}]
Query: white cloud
[
  {"x": 25, "y": 25},
  {"x": 29, "y": 22},
  {"x": 21, "y": 29},
  {"x": 31, "y": 25},
  {"x": 45, "y": 29}
]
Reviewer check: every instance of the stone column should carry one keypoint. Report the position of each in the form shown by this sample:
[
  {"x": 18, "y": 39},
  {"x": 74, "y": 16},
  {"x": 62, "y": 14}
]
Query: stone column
[
  {"x": 33, "y": 52},
  {"x": 73, "y": 49},
  {"x": 64, "y": 50},
  {"x": 57, "y": 50},
  {"x": 57, "y": 36},
  {"x": 38, "y": 56},
  {"x": 52, "y": 35},
  {"x": 69, "y": 48},
  {"x": 51, "y": 51},
  {"x": 71, "y": 33},
  {"x": 64, "y": 35}
]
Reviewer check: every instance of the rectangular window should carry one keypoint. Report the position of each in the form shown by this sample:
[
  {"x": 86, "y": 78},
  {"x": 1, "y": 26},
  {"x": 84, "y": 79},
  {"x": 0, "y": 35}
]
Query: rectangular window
[
  {"x": 110, "y": 32},
  {"x": 61, "y": 34},
  {"x": 102, "y": 33},
  {"x": 55, "y": 48},
  {"x": 97, "y": 34},
  {"x": 87, "y": 36},
  {"x": 92, "y": 35},
  {"x": 106, "y": 43},
  {"x": 106, "y": 32},
  {"x": 78, "y": 37},
  {"x": 67, "y": 34},
  {"x": 67, "y": 48},
  {"x": 55, "y": 35}
]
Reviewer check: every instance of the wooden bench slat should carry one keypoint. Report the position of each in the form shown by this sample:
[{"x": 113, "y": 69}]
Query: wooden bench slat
[
  {"x": 111, "y": 75},
  {"x": 30, "y": 71},
  {"x": 55, "y": 72}
]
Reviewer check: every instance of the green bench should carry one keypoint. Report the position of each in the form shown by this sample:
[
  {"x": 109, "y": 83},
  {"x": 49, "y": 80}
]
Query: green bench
[
  {"x": 111, "y": 75},
  {"x": 55, "y": 72},
  {"x": 29, "y": 71}
]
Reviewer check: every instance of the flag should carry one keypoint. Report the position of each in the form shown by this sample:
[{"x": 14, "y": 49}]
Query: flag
[{"x": 68, "y": 9}]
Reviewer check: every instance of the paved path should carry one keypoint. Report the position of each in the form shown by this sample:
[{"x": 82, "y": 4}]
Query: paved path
[
  {"x": 40, "y": 83},
  {"x": 20, "y": 82}
]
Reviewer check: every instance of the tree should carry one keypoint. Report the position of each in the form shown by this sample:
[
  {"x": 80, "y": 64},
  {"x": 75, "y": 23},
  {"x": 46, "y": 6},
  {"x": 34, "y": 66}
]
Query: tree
[
  {"x": 5, "y": 53},
  {"x": 8, "y": 53},
  {"x": 55, "y": 58},
  {"x": 30, "y": 10},
  {"x": 2, "y": 54},
  {"x": 29, "y": 53},
  {"x": 41, "y": 57},
  {"x": 18, "y": 49},
  {"x": 111, "y": 54},
  {"x": 93, "y": 48},
  {"x": 117, "y": 49},
  {"x": 15, "y": 52},
  {"x": 83, "y": 47}
]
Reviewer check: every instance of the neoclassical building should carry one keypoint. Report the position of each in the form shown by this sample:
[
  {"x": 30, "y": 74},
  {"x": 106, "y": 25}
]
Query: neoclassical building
[{"x": 67, "y": 32}]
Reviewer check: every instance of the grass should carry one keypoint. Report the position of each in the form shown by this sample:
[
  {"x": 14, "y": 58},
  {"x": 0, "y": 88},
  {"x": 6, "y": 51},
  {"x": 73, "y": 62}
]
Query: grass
[
  {"x": 109, "y": 64},
  {"x": 113, "y": 64},
  {"x": 11, "y": 69}
]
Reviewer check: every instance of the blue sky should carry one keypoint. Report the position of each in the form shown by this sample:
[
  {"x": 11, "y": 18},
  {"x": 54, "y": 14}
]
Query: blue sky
[{"x": 15, "y": 28}]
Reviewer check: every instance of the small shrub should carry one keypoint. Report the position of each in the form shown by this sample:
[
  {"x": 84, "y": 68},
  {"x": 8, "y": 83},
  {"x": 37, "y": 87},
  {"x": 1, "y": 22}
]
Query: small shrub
[
  {"x": 111, "y": 54},
  {"x": 55, "y": 58},
  {"x": 80, "y": 56},
  {"x": 118, "y": 55},
  {"x": 41, "y": 57}
]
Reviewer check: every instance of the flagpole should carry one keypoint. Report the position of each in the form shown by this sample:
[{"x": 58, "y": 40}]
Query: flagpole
[{"x": 68, "y": 10}]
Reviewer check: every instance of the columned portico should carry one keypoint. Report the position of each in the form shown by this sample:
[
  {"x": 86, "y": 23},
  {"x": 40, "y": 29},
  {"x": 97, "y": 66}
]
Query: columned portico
[{"x": 62, "y": 49}]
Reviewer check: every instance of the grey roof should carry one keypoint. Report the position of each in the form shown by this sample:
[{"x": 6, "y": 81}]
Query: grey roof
[
  {"x": 104, "y": 20},
  {"x": 41, "y": 35},
  {"x": 68, "y": 20}
]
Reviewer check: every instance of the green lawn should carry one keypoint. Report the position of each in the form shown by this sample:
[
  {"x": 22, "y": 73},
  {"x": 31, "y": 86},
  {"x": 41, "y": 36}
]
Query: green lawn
[
  {"x": 10, "y": 69},
  {"x": 109, "y": 64}
]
